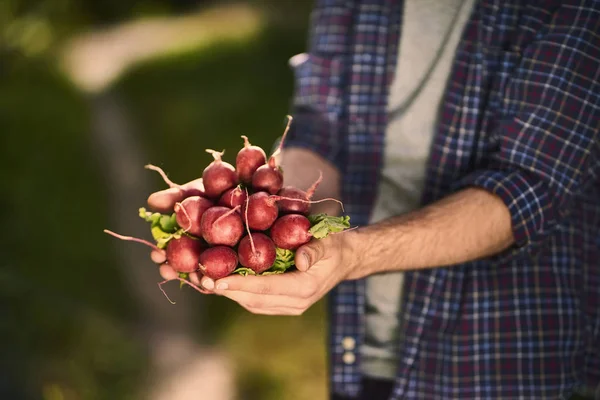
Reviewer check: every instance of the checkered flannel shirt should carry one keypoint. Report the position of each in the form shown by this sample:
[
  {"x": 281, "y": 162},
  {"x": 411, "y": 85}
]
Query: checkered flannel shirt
[{"x": 520, "y": 119}]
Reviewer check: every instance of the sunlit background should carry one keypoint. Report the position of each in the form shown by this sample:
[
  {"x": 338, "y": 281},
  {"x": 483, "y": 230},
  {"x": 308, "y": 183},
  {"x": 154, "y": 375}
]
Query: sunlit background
[{"x": 90, "y": 92}]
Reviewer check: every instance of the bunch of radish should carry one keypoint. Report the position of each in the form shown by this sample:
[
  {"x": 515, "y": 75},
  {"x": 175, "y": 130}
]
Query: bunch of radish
[{"x": 232, "y": 220}]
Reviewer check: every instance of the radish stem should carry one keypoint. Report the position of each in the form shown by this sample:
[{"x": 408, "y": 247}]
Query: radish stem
[{"x": 164, "y": 176}]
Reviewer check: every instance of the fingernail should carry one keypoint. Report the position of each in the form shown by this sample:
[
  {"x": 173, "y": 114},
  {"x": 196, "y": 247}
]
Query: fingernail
[
  {"x": 208, "y": 284},
  {"x": 222, "y": 285}
]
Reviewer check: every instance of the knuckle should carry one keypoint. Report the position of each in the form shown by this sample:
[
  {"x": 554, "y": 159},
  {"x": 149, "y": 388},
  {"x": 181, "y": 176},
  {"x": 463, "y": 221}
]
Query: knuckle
[
  {"x": 255, "y": 304},
  {"x": 320, "y": 250},
  {"x": 304, "y": 305}
]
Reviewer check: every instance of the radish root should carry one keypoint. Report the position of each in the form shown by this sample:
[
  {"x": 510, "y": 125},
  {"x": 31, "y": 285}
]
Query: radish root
[
  {"x": 179, "y": 206},
  {"x": 248, "y": 227},
  {"x": 164, "y": 176},
  {"x": 163, "y": 290},
  {"x": 279, "y": 198},
  {"x": 228, "y": 213},
  {"x": 183, "y": 281},
  {"x": 132, "y": 239}
]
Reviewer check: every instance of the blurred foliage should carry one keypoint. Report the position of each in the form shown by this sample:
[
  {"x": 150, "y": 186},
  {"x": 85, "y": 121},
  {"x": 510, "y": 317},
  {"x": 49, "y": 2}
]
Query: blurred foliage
[
  {"x": 69, "y": 321},
  {"x": 35, "y": 27},
  {"x": 52, "y": 212}
]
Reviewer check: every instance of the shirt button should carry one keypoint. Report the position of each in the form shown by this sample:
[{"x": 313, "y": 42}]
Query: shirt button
[
  {"x": 348, "y": 343},
  {"x": 348, "y": 358}
]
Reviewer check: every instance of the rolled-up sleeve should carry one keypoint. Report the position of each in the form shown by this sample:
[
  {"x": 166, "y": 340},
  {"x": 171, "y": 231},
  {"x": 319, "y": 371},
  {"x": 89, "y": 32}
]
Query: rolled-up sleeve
[
  {"x": 319, "y": 81},
  {"x": 547, "y": 148}
]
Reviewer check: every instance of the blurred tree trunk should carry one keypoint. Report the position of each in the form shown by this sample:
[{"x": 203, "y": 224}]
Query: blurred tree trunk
[{"x": 121, "y": 157}]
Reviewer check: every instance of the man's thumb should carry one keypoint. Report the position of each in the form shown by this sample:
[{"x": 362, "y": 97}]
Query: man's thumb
[{"x": 309, "y": 254}]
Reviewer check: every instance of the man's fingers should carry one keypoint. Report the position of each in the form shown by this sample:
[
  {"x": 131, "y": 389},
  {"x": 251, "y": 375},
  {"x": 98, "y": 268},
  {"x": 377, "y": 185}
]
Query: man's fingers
[
  {"x": 167, "y": 273},
  {"x": 194, "y": 188},
  {"x": 275, "y": 303},
  {"x": 293, "y": 284},
  {"x": 158, "y": 256},
  {"x": 207, "y": 283},
  {"x": 275, "y": 311},
  {"x": 164, "y": 200},
  {"x": 309, "y": 254}
]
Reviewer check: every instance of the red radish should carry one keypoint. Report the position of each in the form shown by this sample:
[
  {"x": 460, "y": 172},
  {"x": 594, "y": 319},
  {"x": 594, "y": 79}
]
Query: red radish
[
  {"x": 188, "y": 213},
  {"x": 167, "y": 272},
  {"x": 163, "y": 201},
  {"x": 261, "y": 211},
  {"x": 218, "y": 262},
  {"x": 248, "y": 160},
  {"x": 218, "y": 176},
  {"x": 295, "y": 201},
  {"x": 269, "y": 177},
  {"x": 293, "y": 206},
  {"x": 291, "y": 231},
  {"x": 257, "y": 252},
  {"x": 183, "y": 254},
  {"x": 233, "y": 197},
  {"x": 222, "y": 226}
]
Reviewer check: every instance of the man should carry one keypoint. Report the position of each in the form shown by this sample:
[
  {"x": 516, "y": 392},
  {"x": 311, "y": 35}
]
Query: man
[{"x": 474, "y": 272}]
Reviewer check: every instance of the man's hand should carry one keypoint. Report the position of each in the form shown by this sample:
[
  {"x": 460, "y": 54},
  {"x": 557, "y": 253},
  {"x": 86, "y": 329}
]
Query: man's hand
[
  {"x": 465, "y": 226},
  {"x": 321, "y": 265}
]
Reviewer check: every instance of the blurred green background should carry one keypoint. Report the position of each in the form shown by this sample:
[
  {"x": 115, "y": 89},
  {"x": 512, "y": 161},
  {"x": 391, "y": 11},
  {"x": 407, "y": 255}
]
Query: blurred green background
[{"x": 90, "y": 91}]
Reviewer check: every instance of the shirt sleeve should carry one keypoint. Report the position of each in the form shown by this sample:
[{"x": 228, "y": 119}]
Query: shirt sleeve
[
  {"x": 319, "y": 81},
  {"x": 548, "y": 149}
]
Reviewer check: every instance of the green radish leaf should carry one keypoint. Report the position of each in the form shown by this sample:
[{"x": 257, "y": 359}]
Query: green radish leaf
[
  {"x": 323, "y": 224},
  {"x": 163, "y": 238},
  {"x": 284, "y": 259},
  {"x": 243, "y": 271},
  {"x": 168, "y": 223},
  {"x": 148, "y": 216},
  {"x": 182, "y": 275},
  {"x": 283, "y": 262},
  {"x": 273, "y": 272},
  {"x": 162, "y": 242},
  {"x": 163, "y": 227}
]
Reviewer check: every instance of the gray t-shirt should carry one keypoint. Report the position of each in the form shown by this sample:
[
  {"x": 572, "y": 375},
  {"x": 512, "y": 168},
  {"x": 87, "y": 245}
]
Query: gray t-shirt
[{"x": 430, "y": 33}]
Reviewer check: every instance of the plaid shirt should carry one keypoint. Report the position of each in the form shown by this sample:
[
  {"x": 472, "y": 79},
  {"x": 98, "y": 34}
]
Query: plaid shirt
[{"x": 520, "y": 119}]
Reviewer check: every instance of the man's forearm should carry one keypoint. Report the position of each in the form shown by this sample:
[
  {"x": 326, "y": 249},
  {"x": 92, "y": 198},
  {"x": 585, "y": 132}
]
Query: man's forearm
[{"x": 465, "y": 226}]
